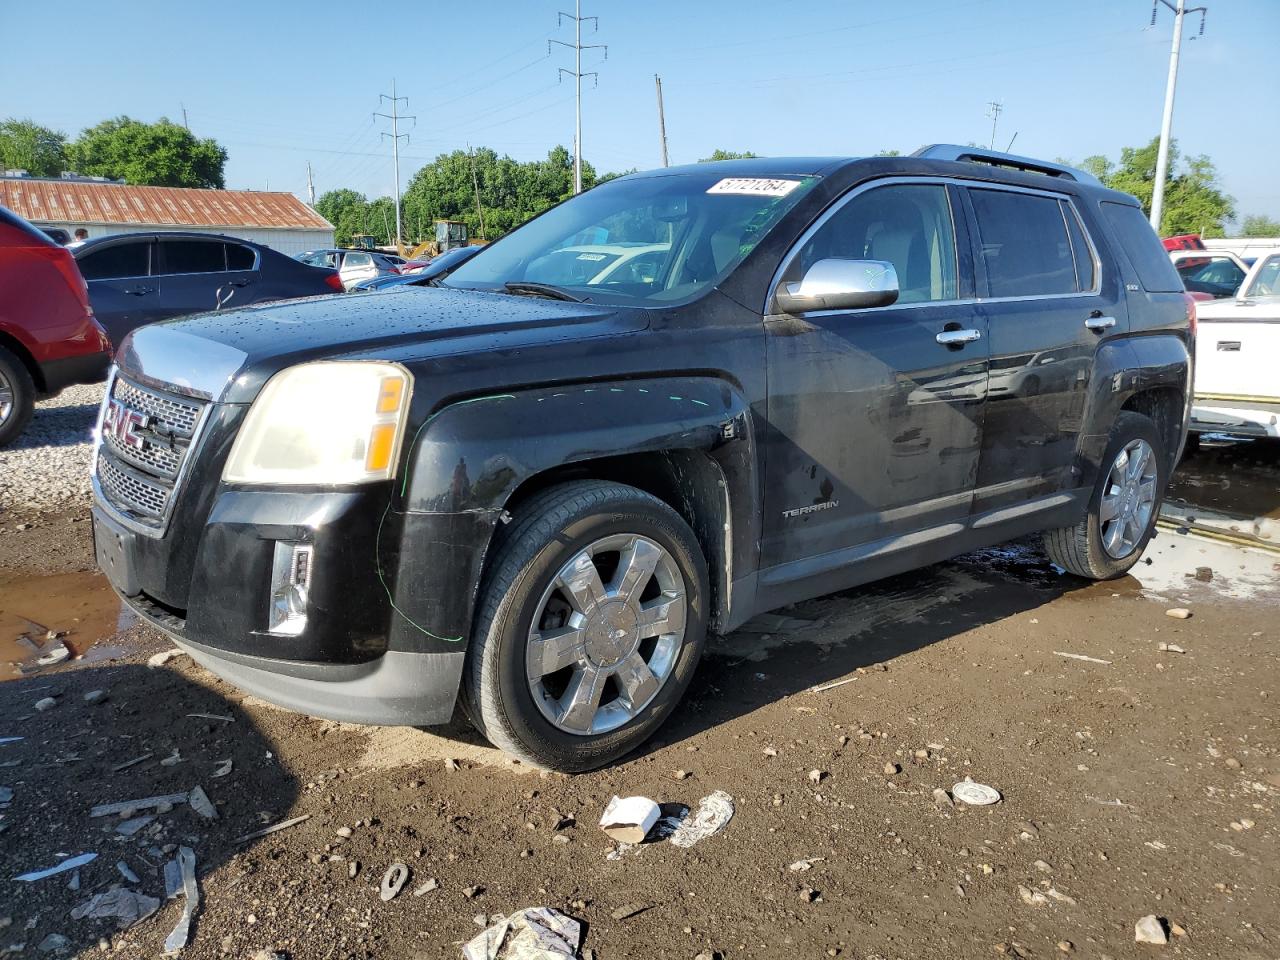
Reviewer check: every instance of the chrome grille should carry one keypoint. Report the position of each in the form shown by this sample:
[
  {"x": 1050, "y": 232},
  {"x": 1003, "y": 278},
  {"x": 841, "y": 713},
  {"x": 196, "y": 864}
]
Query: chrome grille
[
  {"x": 132, "y": 489},
  {"x": 137, "y": 472}
]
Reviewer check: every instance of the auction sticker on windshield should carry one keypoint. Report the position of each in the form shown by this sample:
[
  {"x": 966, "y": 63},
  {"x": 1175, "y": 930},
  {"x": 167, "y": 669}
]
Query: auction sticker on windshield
[{"x": 755, "y": 186}]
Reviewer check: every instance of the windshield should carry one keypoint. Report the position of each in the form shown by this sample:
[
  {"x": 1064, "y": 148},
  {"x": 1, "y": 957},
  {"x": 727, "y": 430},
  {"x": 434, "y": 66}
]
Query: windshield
[
  {"x": 657, "y": 239},
  {"x": 1267, "y": 281}
]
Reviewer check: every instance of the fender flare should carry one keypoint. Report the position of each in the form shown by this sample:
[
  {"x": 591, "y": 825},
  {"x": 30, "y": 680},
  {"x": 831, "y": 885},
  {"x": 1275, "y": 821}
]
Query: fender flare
[{"x": 467, "y": 459}]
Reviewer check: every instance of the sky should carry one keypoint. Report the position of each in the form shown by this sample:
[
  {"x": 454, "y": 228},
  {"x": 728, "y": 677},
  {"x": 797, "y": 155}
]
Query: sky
[{"x": 283, "y": 84}]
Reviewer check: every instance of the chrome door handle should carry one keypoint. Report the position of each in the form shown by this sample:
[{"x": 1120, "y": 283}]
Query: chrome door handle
[
  {"x": 1100, "y": 323},
  {"x": 958, "y": 338},
  {"x": 139, "y": 291}
]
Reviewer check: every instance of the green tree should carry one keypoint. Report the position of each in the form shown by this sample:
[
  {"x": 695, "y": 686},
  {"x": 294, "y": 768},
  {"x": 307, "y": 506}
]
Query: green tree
[
  {"x": 1194, "y": 200},
  {"x": 25, "y": 145},
  {"x": 160, "y": 154},
  {"x": 1257, "y": 225},
  {"x": 719, "y": 154},
  {"x": 347, "y": 211}
]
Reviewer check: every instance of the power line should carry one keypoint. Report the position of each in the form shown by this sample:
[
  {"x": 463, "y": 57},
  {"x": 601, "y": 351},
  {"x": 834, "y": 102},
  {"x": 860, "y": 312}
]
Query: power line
[
  {"x": 1166, "y": 120},
  {"x": 395, "y": 135},
  {"x": 577, "y": 75}
]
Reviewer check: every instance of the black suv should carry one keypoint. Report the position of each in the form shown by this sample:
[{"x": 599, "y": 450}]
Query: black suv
[{"x": 664, "y": 406}]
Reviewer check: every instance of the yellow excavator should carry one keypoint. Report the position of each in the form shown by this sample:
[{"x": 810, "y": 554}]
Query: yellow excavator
[{"x": 450, "y": 234}]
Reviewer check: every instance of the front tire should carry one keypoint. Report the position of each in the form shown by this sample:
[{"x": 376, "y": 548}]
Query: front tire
[
  {"x": 17, "y": 396},
  {"x": 592, "y": 622},
  {"x": 1123, "y": 509}
]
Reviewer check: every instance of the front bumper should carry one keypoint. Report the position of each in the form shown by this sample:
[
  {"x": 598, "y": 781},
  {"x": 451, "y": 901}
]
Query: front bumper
[
  {"x": 396, "y": 689},
  {"x": 341, "y": 665}
]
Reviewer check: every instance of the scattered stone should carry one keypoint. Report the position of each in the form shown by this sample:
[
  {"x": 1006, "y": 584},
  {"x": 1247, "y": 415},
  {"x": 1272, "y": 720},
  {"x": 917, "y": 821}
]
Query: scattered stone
[
  {"x": 353, "y": 868},
  {"x": 770, "y": 752},
  {"x": 1169, "y": 648},
  {"x": 1176, "y": 929},
  {"x": 393, "y": 881},
  {"x": 1150, "y": 929},
  {"x": 1204, "y": 574},
  {"x": 1032, "y": 898},
  {"x": 164, "y": 656},
  {"x": 1060, "y": 897},
  {"x": 472, "y": 892},
  {"x": 561, "y": 839},
  {"x": 45, "y": 703},
  {"x": 1066, "y": 946},
  {"x": 682, "y": 774},
  {"x": 126, "y": 872},
  {"x": 343, "y": 832},
  {"x": 921, "y": 754},
  {"x": 810, "y": 895},
  {"x": 54, "y": 942},
  {"x": 128, "y": 828},
  {"x": 201, "y": 804},
  {"x": 1178, "y": 613},
  {"x": 942, "y": 798},
  {"x": 1043, "y": 866},
  {"x": 892, "y": 769},
  {"x": 629, "y": 910},
  {"x": 1233, "y": 763},
  {"x": 270, "y": 955},
  {"x": 95, "y": 696},
  {"x": 431, "y": 884},
  {"x": 450, "y": 764},
  {"x": 816, "y": 776}
]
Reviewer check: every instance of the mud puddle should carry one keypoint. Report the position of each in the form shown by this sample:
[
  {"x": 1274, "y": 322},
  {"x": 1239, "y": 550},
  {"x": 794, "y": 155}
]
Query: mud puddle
[{"x": 40, "y": 614}]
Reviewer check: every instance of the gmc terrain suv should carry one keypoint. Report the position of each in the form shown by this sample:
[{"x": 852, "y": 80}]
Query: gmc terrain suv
[{"x": 664, "y": 406}]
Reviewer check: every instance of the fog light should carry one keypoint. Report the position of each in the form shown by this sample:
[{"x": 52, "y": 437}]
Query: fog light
[{"x": 290, "y": 579}]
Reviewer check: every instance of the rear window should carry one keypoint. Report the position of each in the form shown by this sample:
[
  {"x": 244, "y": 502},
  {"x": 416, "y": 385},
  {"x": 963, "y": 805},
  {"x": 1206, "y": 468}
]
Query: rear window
[
  {"x": 239, "y": 258},
  {"x": 1145, "y": 251},
  {"x": 194, "y": 256},
  {"x": 116, "y": 262},
  {"x": 1025, "y": 245}
]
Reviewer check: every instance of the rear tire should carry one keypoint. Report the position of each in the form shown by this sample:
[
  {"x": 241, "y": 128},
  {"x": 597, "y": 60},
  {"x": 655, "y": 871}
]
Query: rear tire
[
  {"x": 592, "y": 621},
  {"x": 1095, "y": 547},
  {"x": 17, "y": 397}
]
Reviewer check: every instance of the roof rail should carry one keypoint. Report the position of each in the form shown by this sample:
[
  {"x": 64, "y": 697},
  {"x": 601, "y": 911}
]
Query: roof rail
[{"x": 951, "y": 151}]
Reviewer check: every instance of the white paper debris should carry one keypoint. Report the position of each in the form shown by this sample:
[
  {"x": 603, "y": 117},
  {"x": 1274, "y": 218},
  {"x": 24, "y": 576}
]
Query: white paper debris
[
  {"x": 714, "y": 813},
  {"x": 975, "y": 794},
  {"x": 127, "y": 906},
  {"x": 535, "y": 933},
  {"x": 69, "y": 864},
  {"x": 629, "y": 820},
  {"x": 177, "y": 939}
]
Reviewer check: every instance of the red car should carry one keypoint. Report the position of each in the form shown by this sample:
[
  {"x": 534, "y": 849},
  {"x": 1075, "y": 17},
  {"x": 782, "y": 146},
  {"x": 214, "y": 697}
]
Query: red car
[{"x": 49, "y": 338}]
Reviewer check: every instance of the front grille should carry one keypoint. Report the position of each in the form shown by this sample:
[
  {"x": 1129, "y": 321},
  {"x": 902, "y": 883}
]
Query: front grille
[{"x": 139, "y": 465}]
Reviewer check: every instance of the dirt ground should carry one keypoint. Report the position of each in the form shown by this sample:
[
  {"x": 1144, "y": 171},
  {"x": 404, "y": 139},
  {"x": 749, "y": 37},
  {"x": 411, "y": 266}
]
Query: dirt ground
[{"x": 1143, "y": 784}]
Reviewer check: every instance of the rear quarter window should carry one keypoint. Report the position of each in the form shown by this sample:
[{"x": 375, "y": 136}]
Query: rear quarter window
[{"x": 1155, "y": 270}]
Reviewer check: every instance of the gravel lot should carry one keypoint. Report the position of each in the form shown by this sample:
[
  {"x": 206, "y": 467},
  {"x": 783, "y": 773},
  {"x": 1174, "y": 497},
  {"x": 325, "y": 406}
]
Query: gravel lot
[{"x": 48, "y": 466}]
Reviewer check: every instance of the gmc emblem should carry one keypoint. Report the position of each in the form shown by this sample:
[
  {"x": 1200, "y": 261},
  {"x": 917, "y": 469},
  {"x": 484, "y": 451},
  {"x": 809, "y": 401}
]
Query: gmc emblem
[{"x": 123, "y": 424}]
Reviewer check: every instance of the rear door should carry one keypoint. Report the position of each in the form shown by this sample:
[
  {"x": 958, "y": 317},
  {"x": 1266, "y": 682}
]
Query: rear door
[
  {"x": 123, "y": 287},
  {"x": 1238, "y": 344},
  {"x": 243, "y": 282},
  {"x": 193, "y": 272},
  {"x": 1047, "y": 307}
]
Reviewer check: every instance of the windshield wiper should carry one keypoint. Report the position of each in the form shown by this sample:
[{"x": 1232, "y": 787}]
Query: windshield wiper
[{"x": 539, "y": 290}]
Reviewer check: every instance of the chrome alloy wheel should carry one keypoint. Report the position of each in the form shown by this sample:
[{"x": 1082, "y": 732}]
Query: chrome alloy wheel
[
  {"x": 6, "y": 398},
  {"x": 1128, "y": 499},
  {"x": 607, "y": 634}
]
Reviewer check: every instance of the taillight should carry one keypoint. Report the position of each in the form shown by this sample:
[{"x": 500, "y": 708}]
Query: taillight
[
  {"x": 395, "y": 270},
  {"x": 66, "y": 265},
  {"x": 334, "y": 281},
  {"x": 1192, "y": 322}
]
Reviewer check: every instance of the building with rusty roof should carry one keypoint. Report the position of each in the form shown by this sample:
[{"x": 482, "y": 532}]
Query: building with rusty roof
[{"x": 278, "y": 220}]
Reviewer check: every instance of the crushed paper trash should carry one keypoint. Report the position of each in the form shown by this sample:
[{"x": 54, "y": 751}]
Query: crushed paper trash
[
  {"x": 714, "y": 813},
  {"x": 535, "y": 933}
]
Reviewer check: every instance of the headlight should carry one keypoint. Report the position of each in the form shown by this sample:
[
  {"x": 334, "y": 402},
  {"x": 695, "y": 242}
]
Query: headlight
[{"x": 324, "y": 423}]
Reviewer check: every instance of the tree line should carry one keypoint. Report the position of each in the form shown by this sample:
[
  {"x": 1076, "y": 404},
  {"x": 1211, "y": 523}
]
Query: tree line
[
  {"x": 493, "y": 193},
  {"x": 162, "y": 154}
]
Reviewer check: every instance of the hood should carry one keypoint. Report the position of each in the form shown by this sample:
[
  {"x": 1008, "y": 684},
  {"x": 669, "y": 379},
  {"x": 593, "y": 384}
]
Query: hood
[{"x": 229, "y": 355}]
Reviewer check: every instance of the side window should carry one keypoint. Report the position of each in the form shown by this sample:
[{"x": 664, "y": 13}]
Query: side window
[
  {"x": 1086, "y": 266},
  {"x": 908, "y": 225},
  {"x": 117, "y": 261},
  {"x": 194, "y": 256},
  {"x": 1148, "y": 256},
  {"x": 357, "y": 260},
  {"x": 239, "y": 258},
  {"x": 1025, "y": 246}
]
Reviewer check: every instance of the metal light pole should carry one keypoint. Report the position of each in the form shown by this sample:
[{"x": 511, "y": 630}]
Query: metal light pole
[
  {"x": 1166, "y": 123},
  {"x": 662, "y": 120}
]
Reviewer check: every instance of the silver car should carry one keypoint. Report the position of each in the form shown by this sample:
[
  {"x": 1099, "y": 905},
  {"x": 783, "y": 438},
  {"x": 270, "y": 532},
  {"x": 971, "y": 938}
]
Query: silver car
[{"x": 354, "y": 266}]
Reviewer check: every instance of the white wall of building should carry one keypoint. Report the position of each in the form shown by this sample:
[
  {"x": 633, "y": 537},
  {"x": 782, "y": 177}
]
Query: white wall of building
[{"x": 288, "y": 242}]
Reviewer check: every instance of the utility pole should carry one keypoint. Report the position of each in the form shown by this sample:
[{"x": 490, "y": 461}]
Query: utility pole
[
  {"x": 184, "y": 117},
  {"x": 993, "y": 111},
  {"x": 311, "y": 186},
  {"x": 662, "y": 121},
  {"x": 577, "y": 75},
  {"x": 475, "y": 182},
  {"x": 395, "y": 116},
  {"x": 1166, "y": 124}
]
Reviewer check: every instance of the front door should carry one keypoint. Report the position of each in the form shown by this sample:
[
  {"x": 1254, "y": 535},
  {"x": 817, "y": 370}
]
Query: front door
[
  {"x": 1047, "y": 309},
  {"x": 874, "y": 425}
]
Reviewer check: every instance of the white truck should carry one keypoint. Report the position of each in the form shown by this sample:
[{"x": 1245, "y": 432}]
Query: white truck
[{"x": 1237, "y": 374}]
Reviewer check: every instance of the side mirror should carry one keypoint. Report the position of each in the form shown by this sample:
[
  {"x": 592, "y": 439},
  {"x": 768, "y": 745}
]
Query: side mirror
[{"x": 839, "y": 285}]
